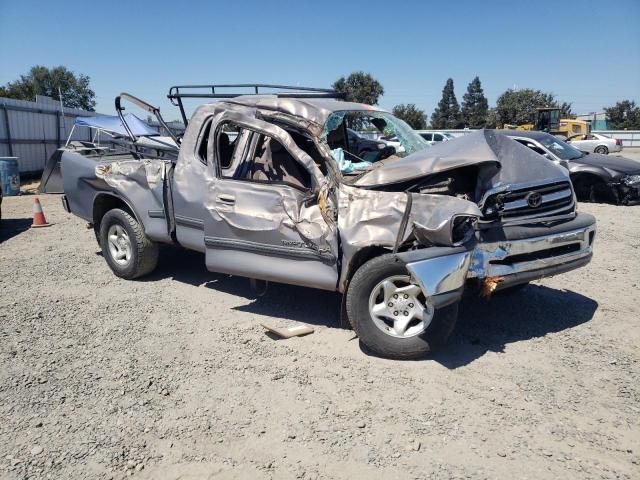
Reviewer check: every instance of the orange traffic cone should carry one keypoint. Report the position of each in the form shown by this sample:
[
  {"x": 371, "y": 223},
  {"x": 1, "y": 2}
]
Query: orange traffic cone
[{"x": 38, "y": 215}]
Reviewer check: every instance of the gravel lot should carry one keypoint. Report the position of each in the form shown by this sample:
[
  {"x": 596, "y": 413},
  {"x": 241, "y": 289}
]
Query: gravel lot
[{"x": 172, "y": 376}]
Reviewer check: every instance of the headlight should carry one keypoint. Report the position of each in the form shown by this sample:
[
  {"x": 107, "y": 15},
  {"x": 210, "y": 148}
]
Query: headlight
[{"x": 631, "y": 180}]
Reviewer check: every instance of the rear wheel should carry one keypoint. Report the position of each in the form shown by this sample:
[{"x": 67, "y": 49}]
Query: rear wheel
[
  {"x": 602, "y": 149},
  {"x": 391, "y": 315},
  {"x": 127, "y": 250}
]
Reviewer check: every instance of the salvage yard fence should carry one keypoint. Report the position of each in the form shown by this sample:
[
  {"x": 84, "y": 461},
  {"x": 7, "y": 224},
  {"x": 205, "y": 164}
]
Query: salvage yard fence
[
  {"x": 32, "y": 131},
  {"x": 630, "y": 138}
]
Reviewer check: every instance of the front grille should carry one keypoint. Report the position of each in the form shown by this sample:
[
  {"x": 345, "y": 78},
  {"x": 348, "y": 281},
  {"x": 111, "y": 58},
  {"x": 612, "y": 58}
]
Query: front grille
[{"x": 555, "y": 199}]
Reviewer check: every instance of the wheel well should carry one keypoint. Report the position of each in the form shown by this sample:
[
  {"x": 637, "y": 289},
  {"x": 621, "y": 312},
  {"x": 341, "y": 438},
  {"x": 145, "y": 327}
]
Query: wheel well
[
  {"x": 582, "y": 178},
  {"x": 364, "y": 255},
  {"x": 103, "y": 203},
  {"x": 582, "y": 183},
  {"x": 359, "y": 258}
]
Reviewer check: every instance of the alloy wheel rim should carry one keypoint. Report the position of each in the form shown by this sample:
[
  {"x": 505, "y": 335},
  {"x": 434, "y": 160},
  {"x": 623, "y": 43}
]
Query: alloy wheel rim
[
  {"x": 119, "y": 245},
  {"x": 398, "y": 307}
]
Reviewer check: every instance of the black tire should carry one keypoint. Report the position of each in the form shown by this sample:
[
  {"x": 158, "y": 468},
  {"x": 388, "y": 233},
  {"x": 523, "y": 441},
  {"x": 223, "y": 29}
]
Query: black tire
[
  {"x": 602, "y": 149},
  {"x": 357, "y": 306},
  {"x": 144, "y": 252}
]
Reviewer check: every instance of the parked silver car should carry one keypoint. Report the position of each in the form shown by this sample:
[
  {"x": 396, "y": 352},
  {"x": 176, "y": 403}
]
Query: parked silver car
[
  {"x": 433, "y": 137},
  {"x": 595, "y": 143}
]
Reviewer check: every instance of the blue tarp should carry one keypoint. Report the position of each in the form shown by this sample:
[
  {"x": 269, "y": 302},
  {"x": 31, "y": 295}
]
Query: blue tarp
[
  {"x": 113, "y": 124},
  {"x": 347, "y": 166}
]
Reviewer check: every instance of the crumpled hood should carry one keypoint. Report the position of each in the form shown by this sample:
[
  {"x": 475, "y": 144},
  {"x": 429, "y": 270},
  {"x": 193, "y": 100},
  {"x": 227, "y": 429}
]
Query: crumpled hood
[
  {"x": 512, "y": 162},
  {"x": 618, "y": 164}
]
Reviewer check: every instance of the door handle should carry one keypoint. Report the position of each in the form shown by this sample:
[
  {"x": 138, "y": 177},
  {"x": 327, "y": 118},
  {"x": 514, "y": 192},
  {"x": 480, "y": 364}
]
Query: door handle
[{"x": 230, "y": 199}]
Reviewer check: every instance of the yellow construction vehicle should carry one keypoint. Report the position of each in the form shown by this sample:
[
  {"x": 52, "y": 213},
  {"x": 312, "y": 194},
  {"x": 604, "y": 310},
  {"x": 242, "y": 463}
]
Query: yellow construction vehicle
[{"x": 548, "y": 120}]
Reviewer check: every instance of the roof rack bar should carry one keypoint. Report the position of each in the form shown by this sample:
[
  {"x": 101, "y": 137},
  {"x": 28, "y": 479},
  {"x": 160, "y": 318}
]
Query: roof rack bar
[
  {"x": 233, "y": 95},
  {"x": 144, "y": 106},
  {"x": 283, "y": 91},
  {"x": 256, "y": 85}
]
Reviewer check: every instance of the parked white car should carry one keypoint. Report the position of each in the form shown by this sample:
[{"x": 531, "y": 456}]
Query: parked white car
[
  {"x": 596, "y": 143},
  {"x": 394, "y": 142},
  {"x": 435, "y": 137}
]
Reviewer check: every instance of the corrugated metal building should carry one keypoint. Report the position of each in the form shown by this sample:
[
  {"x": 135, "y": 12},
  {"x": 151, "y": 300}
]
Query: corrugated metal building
[
  {"x": 32, "y": 131},
  {"x": 597, "y": 121}
]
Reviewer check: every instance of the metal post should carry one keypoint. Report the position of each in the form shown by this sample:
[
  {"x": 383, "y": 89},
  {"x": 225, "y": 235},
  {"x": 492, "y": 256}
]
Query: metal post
[
  {"x": 6, "y": 121},
  {"x": 58, "y": 129},
  {"x": 70, "y": 135},
  {"x": 182, "y": 112}
]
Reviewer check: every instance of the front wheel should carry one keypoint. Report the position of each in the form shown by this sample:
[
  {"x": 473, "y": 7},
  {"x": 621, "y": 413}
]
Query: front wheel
[
  {"x": 127, "y": 250},
  {"x": 391, "y": 315}
]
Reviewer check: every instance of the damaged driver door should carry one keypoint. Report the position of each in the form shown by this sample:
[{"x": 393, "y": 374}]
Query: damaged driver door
[{"x": 262, "y": 216}]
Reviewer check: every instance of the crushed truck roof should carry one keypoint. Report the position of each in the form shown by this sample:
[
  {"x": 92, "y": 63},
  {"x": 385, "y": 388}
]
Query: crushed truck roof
[{"x": 315, "y": 109}]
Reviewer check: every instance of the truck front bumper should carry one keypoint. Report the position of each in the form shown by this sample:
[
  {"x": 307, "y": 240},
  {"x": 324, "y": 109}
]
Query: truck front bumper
[{"x": 506, "y": 257}]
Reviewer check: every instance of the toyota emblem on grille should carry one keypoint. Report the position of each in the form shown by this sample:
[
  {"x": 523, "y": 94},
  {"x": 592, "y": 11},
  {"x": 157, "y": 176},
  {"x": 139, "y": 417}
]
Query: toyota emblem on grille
[{"x": 534, "y": 199}]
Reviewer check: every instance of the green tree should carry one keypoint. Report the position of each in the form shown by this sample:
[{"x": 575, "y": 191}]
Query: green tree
[
  {"x": 360, "y": 87},
  {"x": 492, "y": 118},
  {"x": 474, "y": 105},
  {"x": 447, "y": 113},
  {"x": 518, "y": 107},
  {"x": 40, "y": 80},
  {"x": 411, "y": 114},
  {"x": 623, "y": 115},
  {"x": 565, "y": 110}
]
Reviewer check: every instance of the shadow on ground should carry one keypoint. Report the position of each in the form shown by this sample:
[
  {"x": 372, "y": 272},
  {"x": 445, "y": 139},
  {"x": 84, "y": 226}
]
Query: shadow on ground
[
  {"x": 10, "y": 227},
  {"x": 483, "y": 325},
  {"x": 308, "y": 305},
  {"x": 489, "y": 325}
]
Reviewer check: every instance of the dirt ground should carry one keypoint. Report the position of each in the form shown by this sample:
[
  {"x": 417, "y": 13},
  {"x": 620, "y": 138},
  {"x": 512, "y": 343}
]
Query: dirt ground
[
  {"x": 173, "y": 377},
  {"x": 630, "y": 153}
]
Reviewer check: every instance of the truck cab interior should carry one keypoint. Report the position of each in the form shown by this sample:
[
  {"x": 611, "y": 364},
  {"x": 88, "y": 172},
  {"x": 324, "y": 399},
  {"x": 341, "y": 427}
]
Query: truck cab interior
[{"x": 252, "y": 156}]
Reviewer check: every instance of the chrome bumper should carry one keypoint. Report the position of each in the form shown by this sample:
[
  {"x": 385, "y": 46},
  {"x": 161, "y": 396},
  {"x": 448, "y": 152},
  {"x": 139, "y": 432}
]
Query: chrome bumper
[
  {"x": 510, "y": 261},
  {"x": 501, "y": 259}
]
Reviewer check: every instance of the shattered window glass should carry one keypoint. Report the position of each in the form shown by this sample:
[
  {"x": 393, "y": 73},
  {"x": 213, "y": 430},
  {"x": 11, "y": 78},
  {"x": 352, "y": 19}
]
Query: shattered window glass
[
  {"x": 333, "y": 122},
  {"x": 366, "y": 135}
]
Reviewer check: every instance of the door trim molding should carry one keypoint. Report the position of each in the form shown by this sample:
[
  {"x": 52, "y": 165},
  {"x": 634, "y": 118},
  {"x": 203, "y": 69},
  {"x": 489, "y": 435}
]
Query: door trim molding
[
  {"x": 303, "y": 253},
  {"x": 155, "y": 213},
  {"x": 189, "y": 222}
]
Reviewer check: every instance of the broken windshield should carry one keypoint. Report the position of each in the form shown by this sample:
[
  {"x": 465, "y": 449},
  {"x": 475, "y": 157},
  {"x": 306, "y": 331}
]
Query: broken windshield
[{"x": 358, "y": 139}]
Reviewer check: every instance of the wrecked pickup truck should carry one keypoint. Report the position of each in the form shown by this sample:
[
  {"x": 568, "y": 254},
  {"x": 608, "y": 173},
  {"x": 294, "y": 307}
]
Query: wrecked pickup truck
[{"x": 266, "y": 186}]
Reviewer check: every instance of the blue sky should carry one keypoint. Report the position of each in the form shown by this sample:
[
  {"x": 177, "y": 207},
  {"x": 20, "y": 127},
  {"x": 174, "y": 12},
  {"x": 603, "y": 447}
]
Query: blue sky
[{"x": 588, "y": 54}]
